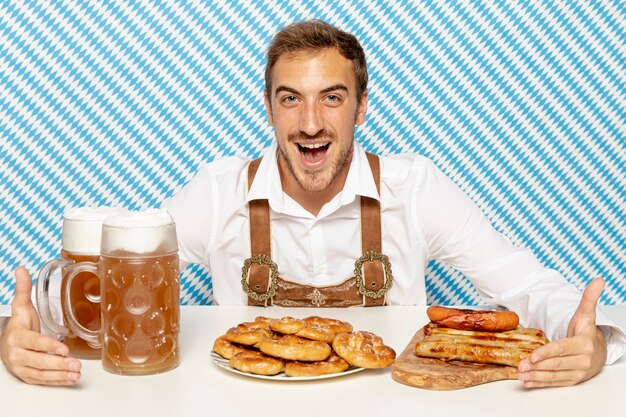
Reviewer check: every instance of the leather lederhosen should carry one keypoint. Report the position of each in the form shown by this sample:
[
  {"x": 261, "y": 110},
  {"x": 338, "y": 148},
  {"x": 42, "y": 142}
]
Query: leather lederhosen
[{"x": 372, "y": 273}]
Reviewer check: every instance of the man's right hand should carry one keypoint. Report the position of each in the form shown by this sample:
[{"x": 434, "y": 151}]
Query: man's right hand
[{"x": 26, "y": 353}]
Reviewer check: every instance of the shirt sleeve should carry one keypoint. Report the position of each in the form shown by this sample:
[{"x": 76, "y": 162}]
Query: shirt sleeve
[
  {"x": 456, "y": 232},
  {"x": 191, "y": 210}
]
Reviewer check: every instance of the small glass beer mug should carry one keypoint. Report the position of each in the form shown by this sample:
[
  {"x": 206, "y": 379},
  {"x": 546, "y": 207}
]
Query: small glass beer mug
[
  {"x": 80, "y": 242},
  {"x": 139, "y": 283}
]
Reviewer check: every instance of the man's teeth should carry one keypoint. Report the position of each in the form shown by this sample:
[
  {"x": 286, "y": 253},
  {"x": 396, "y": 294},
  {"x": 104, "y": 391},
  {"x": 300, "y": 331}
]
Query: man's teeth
[{"x": 312, "y": 145}]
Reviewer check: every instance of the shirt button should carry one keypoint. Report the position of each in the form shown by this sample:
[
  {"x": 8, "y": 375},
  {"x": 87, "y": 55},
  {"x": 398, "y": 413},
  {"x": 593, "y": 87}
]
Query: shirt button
[{"x": 319, "y": 270}]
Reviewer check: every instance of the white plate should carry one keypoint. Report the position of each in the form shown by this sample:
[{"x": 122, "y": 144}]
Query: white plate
[{"x": 223, "y": 363}]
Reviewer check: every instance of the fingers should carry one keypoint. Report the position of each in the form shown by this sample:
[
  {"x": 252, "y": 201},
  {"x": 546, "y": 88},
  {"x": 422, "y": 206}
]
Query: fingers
[
  {"x": 585, "y": 315},
  {"x": 49, "y": 383},
  {"x": 43, "y": 368},
  {"x": 34, "y": 341},
  {"x": 590, "y": 298},
  {"x": 559, "y": 349},
  {"x": 560, "y": 371},
  {"x": 25, "y": 354},
  {"x": 23, "y": 288},
  {"x": 539, "y": 379},
  {"x": 574, "y": 359},
  {"x": 564, "y": 362},
  {"x": 48, "y": 362},
  {"x": 46, "y": 376},
  {"x": 554, "y": 364}
]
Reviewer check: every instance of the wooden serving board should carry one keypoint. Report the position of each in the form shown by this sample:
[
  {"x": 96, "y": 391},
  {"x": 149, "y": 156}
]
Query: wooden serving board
[{"x": 435, "y": 374}]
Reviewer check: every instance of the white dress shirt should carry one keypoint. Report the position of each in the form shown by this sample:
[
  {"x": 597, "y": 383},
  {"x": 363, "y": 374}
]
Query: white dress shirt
[{"x": 424, "y": 216}]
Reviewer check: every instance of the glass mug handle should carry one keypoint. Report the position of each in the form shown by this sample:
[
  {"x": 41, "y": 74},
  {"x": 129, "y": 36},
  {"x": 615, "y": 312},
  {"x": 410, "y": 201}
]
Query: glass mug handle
[
  {"x": 92, "y": 337},
  {"x": 43, "y": 296}
]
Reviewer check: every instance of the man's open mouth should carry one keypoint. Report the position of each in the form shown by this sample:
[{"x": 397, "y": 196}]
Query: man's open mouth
[{"x": 313, "y": 153}]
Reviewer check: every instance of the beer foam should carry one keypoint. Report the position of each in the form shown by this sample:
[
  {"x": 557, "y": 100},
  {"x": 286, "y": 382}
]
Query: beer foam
[
  {"x": 82, "y": 228},
  {"x": 92, "y": 213},
  {"x": 145, "y": 232},
  {"x": 146, "y": 218}
]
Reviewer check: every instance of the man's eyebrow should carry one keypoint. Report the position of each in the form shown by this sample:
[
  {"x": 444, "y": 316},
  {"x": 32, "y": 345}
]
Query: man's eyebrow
[
  {"x": 325, "y": 90},
  {"x": 335, "y": 87},
  {"x": 287, "y": 89}
]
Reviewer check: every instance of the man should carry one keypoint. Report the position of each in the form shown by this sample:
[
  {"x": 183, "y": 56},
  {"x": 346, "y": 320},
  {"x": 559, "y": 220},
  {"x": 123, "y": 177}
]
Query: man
[{"x": 318, "y": 222}]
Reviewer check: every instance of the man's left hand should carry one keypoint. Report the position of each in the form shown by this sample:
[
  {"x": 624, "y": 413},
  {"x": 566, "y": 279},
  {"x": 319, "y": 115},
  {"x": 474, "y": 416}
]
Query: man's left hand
[{"x": 574, "y": 359}]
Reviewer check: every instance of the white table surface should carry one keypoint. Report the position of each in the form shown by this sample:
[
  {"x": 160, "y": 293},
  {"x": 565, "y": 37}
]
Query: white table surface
[{"x": 200, "y": 388}]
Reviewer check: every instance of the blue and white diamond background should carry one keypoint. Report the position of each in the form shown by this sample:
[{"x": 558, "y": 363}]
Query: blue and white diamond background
[{"x": 521, "y": 103}]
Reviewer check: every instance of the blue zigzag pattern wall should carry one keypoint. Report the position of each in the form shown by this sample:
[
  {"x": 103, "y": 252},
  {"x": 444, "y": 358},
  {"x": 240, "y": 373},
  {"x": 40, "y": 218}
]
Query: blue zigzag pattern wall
[{"x": 521, "y": 103}]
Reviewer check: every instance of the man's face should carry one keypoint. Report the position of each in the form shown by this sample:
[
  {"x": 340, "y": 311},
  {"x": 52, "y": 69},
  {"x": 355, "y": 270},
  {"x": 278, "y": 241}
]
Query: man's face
[{"x": 313, "y": 109}]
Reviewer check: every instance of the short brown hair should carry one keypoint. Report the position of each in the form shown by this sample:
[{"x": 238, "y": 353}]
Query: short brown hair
[{"x": 315, "y": 35}]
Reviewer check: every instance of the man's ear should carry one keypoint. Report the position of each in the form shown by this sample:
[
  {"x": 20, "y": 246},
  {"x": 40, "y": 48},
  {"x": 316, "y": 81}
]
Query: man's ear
[
  {"x": 361, "y": 110},
  {"x": 268, "y": 110}
]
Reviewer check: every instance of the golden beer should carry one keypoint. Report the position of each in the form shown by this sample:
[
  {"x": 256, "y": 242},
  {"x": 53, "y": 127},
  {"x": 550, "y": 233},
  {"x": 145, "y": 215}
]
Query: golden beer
[
  {"x": 140, "y": 289},
  {"x": 82, "y": 228},
  {"x": 84, "y": 296},
  {"x": 140, "y": 314}
]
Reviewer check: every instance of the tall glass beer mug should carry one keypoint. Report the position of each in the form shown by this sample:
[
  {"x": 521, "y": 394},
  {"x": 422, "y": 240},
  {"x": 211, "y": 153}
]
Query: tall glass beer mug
[
  {"x": 139, "y": 283},
  {"x": 80, "y": 242}
]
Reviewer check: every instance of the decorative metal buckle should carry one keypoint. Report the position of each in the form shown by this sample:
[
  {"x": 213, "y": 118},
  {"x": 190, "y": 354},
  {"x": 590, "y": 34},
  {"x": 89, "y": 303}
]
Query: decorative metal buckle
[
  {"x": 260, "y": 259},
  {"x": 371, "y": 256}
]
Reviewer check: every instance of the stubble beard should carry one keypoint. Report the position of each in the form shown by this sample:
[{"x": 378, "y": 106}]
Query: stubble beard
[{"x": 317, "y": 180}]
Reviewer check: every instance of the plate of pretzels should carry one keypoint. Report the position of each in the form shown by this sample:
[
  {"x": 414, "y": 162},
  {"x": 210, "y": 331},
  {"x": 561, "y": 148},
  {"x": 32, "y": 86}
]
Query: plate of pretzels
[{"x": 295, "y": 349}]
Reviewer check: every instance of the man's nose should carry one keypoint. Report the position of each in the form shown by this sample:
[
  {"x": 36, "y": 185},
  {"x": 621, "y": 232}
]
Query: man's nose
[{"x": 311, "y": 121}]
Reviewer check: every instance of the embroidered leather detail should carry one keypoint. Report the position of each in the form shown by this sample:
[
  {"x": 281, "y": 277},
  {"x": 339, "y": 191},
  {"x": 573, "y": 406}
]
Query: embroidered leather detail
[
  {"x": 317, "y": 298},
  {"x": 291, "y": 294}
]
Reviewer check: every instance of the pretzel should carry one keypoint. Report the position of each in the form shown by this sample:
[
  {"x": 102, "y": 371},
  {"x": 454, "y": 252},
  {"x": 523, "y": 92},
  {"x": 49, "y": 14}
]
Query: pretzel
[
  {"x": 295, "y": 348},
  {"x": 363, "y": 349},
  {"x": 248, "y": 333},
  {"x": 226, "y": 348},
  {"x": 316, "y": 333},
  {"x": 333, "y": 365},
  {"x": 287, "y": 325},
  {"x": 259, "y": 322},
  {"x": 323, "y": 329},
  {"x": 254, "y": 362},
  {"x": 262, "y": 319},
  {"x": 330, "y": 325}
]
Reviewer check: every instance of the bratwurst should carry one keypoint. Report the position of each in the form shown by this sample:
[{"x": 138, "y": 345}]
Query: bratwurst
[
  {"x": 501, "y": 348},
  {"x": 480, "y": 320}
]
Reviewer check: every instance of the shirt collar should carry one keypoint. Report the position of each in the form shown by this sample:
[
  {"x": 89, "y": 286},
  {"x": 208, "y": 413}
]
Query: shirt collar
[
  {"x": 359, "y": 182},
  {"x": 266, "y": 185}
]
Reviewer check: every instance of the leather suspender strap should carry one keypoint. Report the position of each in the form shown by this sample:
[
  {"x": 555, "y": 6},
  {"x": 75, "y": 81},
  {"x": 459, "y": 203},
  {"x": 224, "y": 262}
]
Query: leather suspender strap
[
  {"x": 373, "y": 271},
  {"x": 259, "y": 276},
  {"x": 259, "y": 218},
  {"x": 370, "y": 213}
]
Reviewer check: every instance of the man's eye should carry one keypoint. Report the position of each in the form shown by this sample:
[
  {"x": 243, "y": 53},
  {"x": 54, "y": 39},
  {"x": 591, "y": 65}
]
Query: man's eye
[
  {"x": 290, "y": 99},
  {"x": 333, "y": 99}
]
